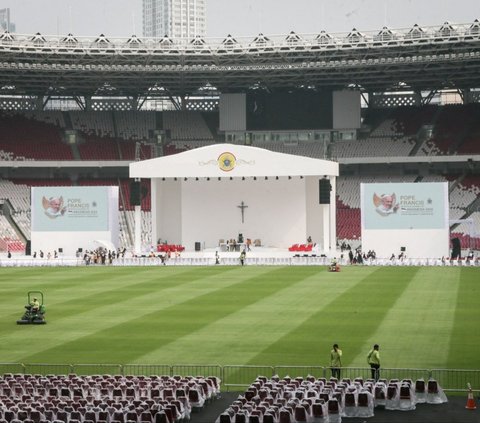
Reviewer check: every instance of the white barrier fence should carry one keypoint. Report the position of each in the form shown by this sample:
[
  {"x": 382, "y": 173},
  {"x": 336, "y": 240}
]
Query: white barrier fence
[{"x": 233, "y": 261}]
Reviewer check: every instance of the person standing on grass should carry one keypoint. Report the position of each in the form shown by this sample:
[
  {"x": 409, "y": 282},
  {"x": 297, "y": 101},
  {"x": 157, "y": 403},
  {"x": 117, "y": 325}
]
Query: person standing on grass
[
  {"x": 373, "y": 360},
  {"x": 243, "y": 256},
  {"x": 336, "y": 361}
]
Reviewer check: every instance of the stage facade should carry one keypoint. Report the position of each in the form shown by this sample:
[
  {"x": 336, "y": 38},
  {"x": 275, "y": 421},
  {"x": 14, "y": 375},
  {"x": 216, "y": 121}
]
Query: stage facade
[{"x": 212, "y": 194}]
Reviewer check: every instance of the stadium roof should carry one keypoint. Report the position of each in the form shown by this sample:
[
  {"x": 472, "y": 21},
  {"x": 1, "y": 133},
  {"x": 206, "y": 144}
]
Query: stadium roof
[{"x": 417, "y": 58}]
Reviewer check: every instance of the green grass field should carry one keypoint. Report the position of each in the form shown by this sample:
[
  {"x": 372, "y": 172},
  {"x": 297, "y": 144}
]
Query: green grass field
[{"x": 421, "y": 317}]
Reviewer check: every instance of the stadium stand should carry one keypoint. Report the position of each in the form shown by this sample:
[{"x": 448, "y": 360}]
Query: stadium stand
[
  {"x": 18, "y": 195},
  {"x": 49, "y": 117},
  {"x": 174, "y": 147},
  {"x": 126, "y": 135},
  {"x": 39, "y": 135},
  {"x": 9, "y": 240},
  {"x": 127, "y": 225},
  {"x": 93, "y": 123},
  {"x": 300, "y": 148},
  {"x": 385, "y": 140},
  {"x": 135, "y": 126},
  {"x": 98, "y": 148},
  {"x": 186, "y": 126},
  {"x": 398, "y": 132},
  {"x": 25, "y": 139}
]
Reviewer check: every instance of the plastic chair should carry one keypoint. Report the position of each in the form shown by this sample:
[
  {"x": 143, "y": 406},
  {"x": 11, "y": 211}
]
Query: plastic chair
[
  {"x": 365, "y": 407},
  {"x": 406, "y": 400},
  {"x": 392, "y": 398},
  {"x": 420, "y": 391},
  {"x": 350, "y": 407}
]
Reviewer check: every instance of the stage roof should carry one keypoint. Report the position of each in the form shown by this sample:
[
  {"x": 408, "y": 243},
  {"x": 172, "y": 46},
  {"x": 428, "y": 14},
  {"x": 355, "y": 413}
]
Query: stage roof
[
  {"x": 229, "y": 160},
  {"x": 446, "y": 56}
]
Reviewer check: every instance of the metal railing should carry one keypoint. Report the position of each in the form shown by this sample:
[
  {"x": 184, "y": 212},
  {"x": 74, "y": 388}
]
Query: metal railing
[
  {"x": 238, "y": 377},
  {"x": 209, "y": 260},
  {"x": 385, "y": 37}
]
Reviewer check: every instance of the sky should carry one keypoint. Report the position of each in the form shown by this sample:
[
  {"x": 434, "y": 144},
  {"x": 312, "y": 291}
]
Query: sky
[{"x": 122, "y": 18}]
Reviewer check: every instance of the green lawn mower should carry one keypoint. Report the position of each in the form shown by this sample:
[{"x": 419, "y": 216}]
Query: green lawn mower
[{"x": 34, "y": 310}]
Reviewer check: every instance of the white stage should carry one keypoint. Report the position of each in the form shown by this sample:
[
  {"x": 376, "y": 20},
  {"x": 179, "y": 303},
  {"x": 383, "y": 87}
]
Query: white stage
[{"x": 214, "y": 193}]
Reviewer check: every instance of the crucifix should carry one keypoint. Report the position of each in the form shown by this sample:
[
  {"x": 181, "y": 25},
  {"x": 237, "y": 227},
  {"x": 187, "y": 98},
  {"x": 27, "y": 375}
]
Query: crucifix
[{"x": 242, "y": 206}]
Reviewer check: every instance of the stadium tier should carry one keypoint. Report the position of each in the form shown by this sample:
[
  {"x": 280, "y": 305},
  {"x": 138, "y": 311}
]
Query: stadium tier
[
  {"x": 117, "y": 135},
  {"x": 26, "y": 139},
  {"x": 44, "y": 135}
]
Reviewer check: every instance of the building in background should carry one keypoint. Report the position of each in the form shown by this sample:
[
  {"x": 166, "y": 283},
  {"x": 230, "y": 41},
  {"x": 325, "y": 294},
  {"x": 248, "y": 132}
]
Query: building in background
[
  {"x": 5, "y": 24},
  {"x": 174, "y": 18}
]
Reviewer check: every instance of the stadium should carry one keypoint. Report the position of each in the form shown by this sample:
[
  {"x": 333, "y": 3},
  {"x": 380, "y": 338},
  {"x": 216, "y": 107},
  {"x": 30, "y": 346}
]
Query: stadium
[{"x": 145, "y": 132}]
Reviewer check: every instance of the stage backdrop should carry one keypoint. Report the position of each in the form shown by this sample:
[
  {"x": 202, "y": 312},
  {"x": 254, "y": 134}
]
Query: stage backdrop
[
  {"x": 69, "y": 218},
  {"x": 409, "y": 216},
  {"x": 278, "y": 212}
]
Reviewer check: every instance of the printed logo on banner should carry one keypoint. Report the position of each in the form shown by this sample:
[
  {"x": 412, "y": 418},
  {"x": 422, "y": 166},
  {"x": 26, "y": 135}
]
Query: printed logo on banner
[
  {"x": 405, "y": 205},
  {"x": 53, "y": 207},
  {"x": 70, "y": 208},
  {"x": 385, "y": 204},
  {"x": 226, "y": 161}
]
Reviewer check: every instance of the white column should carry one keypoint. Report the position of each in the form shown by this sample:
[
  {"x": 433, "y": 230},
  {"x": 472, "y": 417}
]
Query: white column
[
  {"x": 325, "y": 227},
  {"x": 333, "y": 214},
  {"x": 138, "y": 230},
  {"x": 154, "y": 210}
]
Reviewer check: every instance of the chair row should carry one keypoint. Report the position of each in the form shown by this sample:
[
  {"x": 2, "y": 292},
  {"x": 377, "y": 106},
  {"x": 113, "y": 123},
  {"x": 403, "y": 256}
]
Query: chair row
[
  {"x": 170, "y": 248},
  {"x": 301, "y": 247},
  {"x": 304, "y": 400}
]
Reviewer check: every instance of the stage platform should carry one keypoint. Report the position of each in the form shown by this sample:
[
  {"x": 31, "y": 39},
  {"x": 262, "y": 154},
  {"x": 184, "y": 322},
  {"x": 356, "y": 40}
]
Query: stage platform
[{"x": 256, "y": 252}]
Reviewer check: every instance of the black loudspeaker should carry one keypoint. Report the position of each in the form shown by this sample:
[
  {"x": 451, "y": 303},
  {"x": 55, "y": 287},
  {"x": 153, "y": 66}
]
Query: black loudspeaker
[
  {"x": 60, "y": 250},
  {"x": 28, "y": 248},
  {"x": 80, "y": 250},
  {"x": 403, "y": 249},
  {"x": 198, "y": 246},
  {"x": 135, "y": 194},
  {"x": 456, "y": 248},
  {"x": 325, "y": 189}
]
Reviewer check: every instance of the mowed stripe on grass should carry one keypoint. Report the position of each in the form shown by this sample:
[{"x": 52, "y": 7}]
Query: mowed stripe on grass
[
  {"x": 134, "y": 334},
  {"x": 415, "y": 333},
  {"x": 239, "y": 336},
  {"x": 348, "y": 319},
  {"x": 81, "y": 315},
  {"x": 65, "y": 288},
  {"x": 465, "y": 338},
  {"x": 250, "y": 315}
]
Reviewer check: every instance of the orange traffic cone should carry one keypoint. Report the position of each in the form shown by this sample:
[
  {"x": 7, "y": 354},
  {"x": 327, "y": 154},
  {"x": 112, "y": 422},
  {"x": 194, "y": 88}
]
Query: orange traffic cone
[{"x": 470, "y": 400}]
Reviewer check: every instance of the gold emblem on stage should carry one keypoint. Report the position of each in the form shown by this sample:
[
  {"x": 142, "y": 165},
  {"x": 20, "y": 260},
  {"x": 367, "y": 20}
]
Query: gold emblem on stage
[{"x": 226, "y": 161}]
